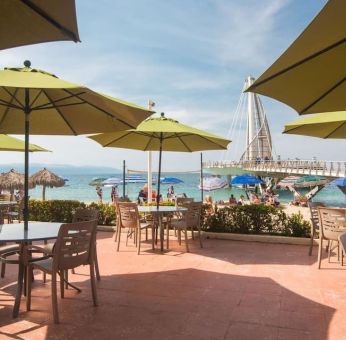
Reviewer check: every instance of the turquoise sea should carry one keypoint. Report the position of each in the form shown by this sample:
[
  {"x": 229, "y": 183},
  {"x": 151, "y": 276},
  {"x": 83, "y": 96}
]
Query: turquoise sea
[{"x": 78, "y": 188}]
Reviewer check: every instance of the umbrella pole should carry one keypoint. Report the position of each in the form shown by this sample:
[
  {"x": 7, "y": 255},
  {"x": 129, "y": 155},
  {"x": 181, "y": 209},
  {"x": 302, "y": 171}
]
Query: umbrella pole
[
  {"x": 26, "y": 160},
  {"x": 124, "y": 178},
  {"x": 159, "y": 174},
  {"x": 202, "y": 177}
]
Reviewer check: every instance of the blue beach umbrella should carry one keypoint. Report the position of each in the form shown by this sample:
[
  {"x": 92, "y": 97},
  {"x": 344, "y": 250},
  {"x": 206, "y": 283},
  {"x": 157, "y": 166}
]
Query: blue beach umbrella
[
  {"x": 246, "y": 180},
  {"x": 170, "y": 180},
  {"x": 340, "y": 183}
]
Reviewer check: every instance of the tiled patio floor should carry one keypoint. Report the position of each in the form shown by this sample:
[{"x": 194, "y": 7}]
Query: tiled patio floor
[{"x": 227, "y": 290}]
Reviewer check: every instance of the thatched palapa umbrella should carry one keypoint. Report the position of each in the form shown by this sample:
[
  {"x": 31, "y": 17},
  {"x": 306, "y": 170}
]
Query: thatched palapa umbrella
[
  {"x": 12, "y": 180},
  {"x": 46, "y": 178}
]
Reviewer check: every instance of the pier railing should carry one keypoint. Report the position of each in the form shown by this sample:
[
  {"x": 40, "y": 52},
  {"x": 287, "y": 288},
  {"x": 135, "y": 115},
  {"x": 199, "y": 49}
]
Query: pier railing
[{"x": 287, "y": 167}]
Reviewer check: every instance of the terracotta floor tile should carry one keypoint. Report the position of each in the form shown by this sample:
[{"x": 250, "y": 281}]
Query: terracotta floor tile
[{"x": 218, "y": 292}]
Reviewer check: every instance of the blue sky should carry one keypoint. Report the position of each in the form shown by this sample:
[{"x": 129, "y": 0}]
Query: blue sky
[{"x": 189, "y": 56}]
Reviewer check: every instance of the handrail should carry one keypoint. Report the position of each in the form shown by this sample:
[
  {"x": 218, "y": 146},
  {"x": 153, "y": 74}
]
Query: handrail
[{"x": 288, "y": 166}]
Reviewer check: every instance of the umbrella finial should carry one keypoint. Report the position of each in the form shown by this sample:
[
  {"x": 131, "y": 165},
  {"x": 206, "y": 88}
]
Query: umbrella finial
[{"x": 27, "y": 63}]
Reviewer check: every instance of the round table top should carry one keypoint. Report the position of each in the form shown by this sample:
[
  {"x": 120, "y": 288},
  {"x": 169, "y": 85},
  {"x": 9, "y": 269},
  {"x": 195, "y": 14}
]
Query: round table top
[
  {"x": 8, "y": 203},
  {"x": 37, "y": 231},
  {"x": 162, "y": 209}
]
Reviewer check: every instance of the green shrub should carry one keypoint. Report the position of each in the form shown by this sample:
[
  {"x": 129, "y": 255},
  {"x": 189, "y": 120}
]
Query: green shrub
[
  {"x": 62, "y": 211},
  {"x": 254, "y": 219}
]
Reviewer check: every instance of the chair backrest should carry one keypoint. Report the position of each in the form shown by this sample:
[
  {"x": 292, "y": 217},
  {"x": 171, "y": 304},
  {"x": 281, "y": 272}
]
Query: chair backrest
[
  {"x": 332, "y": 222},
  {"x": 313, "y": 206},
  {"x": 74, "y": 245},
  {"x": 342, "y": 240},
  {"x": 128, "y": 214},
  {"x": 193, "y": 214},
  {"x": 183, "y": 201},
  {"x": 84, "y": 214}
]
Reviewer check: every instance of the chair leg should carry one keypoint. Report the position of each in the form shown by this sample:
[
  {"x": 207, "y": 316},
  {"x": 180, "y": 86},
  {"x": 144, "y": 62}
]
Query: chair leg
[
  {"x": 54, "y": 298},
  {"x": 119, "y": 235},
  {"x": 311, "y": 244},
  {"x": 139, "y": 232},
  {"x": 192, "y": 233},
  {"x": 97, "y": 271},
  {"x": 66, "y": 278},
  {"x": 320, "y": 246},
  {"x": 62, "y": 285},
  {"x": 330, "y": 250},
  {"x": 3, "y": 269},
  {"x": 153, "y": 237},
  {"x": 199, "y": 236},
  {"x": 28, "y": 287},
  {"x": 93, "y": 284},
  {"x": 186, "y": 241},
  {"x": 167, "y": 240}
]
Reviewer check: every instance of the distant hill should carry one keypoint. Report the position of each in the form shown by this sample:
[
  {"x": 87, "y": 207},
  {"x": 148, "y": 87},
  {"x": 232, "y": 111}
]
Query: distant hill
[{"x": 62, "y": 169}]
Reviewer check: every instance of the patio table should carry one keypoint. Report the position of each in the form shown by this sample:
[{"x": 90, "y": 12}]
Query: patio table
[
  {"x": 160, "y": 211},
  {"x": 37, "y": 231}
]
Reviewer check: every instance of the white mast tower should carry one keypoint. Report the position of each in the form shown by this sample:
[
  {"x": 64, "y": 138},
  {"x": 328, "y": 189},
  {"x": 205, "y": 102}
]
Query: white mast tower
[{"x": 258, "y": 138}]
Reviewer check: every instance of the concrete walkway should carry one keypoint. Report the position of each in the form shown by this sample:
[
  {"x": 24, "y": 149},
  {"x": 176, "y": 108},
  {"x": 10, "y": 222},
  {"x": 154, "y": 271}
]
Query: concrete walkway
[{"x": 227, "y": 290}]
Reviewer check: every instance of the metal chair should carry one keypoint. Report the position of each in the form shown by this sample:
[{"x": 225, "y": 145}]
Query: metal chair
[
  {"x": 190, "y": 219},
  {"x": 314, "y": 222},
  {"x": 332, "y": 222},
  {"x": 128, "y": 217},
  {"x": 74, "y": 247},
  {"x": 342, "y": 241}
]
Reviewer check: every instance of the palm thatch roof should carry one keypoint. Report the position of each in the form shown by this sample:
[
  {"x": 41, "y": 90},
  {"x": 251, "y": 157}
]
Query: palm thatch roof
[
  {"x": 12, "y": 180},
  {"x": 47, "y": 178}
]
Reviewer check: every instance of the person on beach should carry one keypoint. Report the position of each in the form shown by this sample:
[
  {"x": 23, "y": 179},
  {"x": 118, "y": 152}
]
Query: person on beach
[
  {"x": 241, "y": 200},
  {"x": 170, "y": 192},
  {"x": 99, "y": 192},
  {"x": 114, "y": 193},
  {"x": 232, "y": 200},
  {"x": 142, "y": 197}
]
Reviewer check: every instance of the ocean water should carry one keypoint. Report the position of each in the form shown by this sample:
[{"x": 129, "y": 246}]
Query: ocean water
[{"x": 77, "y": 188}]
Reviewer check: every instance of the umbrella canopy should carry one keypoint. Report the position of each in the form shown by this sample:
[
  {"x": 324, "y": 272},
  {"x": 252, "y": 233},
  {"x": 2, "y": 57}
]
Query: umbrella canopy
[
  {"x": 340, "y": 183},
  {"x": 331, "y": 125},
  {"x": 310, "y": 75},
  {"x": 13, "y": 180},
  {"x": 97, "y": 181},
  {"x": 36, "y": 102},
  {"x": 171, "y": 180},
  {"x": 46, "y": 178},
  {"x": 25, "y": 22},
  {"x": 162, "y": 134},
  {"x": 213, "y": 183},
  {"x": 246, "y": 180},
  {"x": 165, "y": 133},
  {"x": 310, "y": 181},
  {"x": 8, "y": 143},
  {"x": 288, "y": 182}
]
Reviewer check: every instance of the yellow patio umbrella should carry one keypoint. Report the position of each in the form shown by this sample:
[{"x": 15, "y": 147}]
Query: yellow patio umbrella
[
  {"x": 310, "y": 75},
  {"x": 322, "y": 125},
  {"x": 162, "y": 134},
  {"x": 35, "y": 102},
  {"x": 25, "y": 22},
  {"x": 8, "y": 143}
]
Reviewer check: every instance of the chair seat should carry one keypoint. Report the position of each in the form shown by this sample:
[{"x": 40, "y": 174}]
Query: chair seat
[
  {"x": 9, "y": 248},
  {"x": 145, "y": 225},
  {"x": 179, "y": 224},
  {"x": 45, "y": 265}
]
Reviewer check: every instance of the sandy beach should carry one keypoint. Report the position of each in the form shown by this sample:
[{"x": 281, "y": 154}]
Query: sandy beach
[{"x": 292, "y": 209}]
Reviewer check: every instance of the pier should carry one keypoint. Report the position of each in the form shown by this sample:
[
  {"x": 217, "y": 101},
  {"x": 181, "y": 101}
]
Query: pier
[{"x": 329, "y": 169}]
